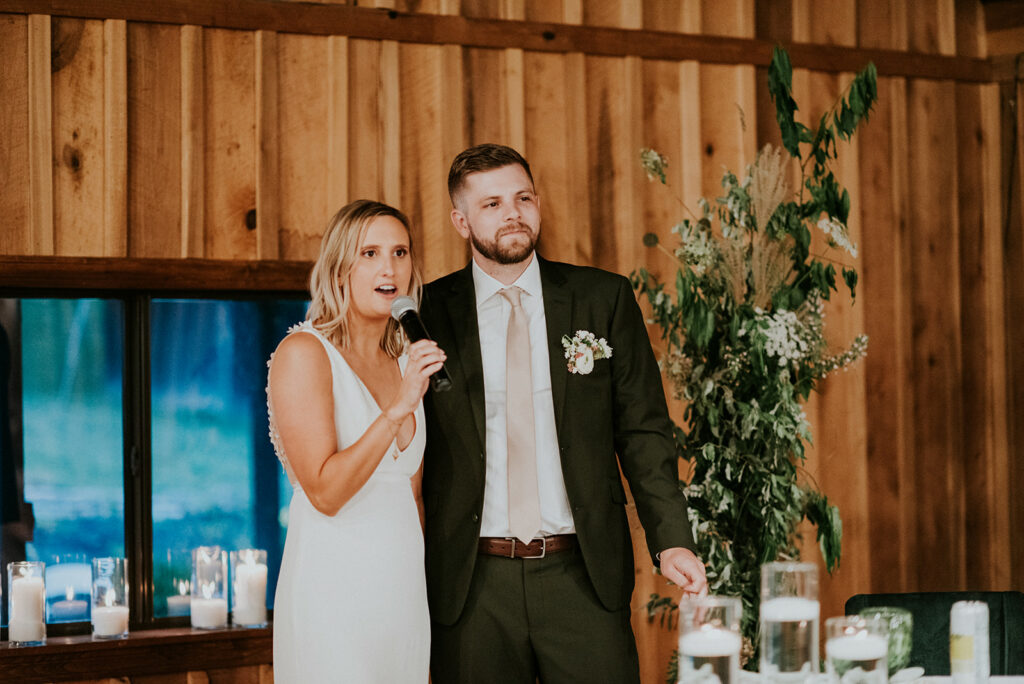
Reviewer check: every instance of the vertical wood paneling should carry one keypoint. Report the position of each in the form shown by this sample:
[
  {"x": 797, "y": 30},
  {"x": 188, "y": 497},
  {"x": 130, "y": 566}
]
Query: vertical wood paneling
[
  {"x": 885, "y": 246},
  {"x": 837, "y": 461},
  {"x": 512, "y": 75},
  {"x": 609, "y": 155},
  {"x": 268, "y": 182},
  {"x": 433, "y": 132},
  {"x": 115, "y": 138},
  {"x": 549, "y": 139},
  {"x": 556, "y": 145},
  {"x": 887, "y": 324},
  {"x": 157, "y": 202},
  {"x": 78, "y": 137},
  {"x": 15, "y": 150},
  {"x": 1013, "y": 304},
  {"x": 192, "y": 136},
  {"x": 934, "y": 268},
  {"x": 231, "y": 151},
  {"x": 40, "y": 136},
  {"x": 984, "y": 372},
  {"x": 311, "y": 149},
  {"x": 485, "y": 96},
  {"x": 364, "y": 119},
  {"x": 727, "y": 125},
  {"x": 337, "y": 124},
  {"x": 391, "y": 124}
]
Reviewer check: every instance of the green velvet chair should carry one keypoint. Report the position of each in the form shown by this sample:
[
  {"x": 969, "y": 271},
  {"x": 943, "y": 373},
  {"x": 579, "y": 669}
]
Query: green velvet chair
[{"x": 930, "y": 648}]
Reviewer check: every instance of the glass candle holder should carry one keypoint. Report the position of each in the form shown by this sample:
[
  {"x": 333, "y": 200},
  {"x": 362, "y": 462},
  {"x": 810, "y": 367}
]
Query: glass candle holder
[
  {"x": 209, "y": 604},
  {"x": 856, "y": 650},
  {"x": 68, "y": 588},
  {"x": 709, "y": 640},
  {"x": 26, "y": 602},
  {"x": 109, "y": 598},
  {"x": 901, "y": 629},
  {"x": 789, "y": 622},
  {"x": 249, "y": 588}
]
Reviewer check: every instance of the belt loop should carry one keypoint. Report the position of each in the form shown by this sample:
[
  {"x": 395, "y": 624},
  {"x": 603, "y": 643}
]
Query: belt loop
[{"x": 512, "y": 551}]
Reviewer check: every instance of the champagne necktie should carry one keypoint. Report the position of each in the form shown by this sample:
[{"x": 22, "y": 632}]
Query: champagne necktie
[{"x": 523, "y": 498}]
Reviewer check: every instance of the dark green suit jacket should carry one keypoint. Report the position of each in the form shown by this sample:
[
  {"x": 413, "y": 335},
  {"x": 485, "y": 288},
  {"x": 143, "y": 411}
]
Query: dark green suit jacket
[{"x": 619, "y": 408}]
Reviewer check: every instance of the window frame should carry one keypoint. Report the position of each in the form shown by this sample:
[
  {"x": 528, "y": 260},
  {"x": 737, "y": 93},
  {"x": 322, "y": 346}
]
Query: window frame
[{"x": 136, "y": 283}]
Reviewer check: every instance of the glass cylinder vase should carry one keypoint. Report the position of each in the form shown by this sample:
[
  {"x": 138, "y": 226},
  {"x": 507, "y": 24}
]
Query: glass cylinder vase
[
  {"x": 109, "y": 598},
  {"x": 209, "y": 604},
  {"x": 249, "y": 588},
  {"x": 26, "y": 602},
  {"x": 789, "y": 622},
  {"x": 709, "y": 640},
  {"x": 856, "y": 650}
]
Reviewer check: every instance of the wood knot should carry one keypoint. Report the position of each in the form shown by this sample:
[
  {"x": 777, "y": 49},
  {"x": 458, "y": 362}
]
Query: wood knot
[
  {"x": 548, "y": 35},
  {"x": 65, "y": 39},
  {"x": 250, "y": 219},
  {"x": 709, "y": 150},
  {"x": 72, "y": 157}
]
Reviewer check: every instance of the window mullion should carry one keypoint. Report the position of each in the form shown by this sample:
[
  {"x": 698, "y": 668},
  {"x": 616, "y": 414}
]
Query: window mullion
[{"x": 138, "y": 494}]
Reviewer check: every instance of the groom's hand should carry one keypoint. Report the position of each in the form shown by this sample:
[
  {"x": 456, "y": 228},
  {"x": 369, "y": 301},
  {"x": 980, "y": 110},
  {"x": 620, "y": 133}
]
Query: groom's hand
[{"x": 682, "y": 567}]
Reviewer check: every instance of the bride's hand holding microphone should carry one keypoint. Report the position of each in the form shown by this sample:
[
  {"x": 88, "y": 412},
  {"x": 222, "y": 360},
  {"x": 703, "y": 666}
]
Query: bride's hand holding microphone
[{"x": 425, "y": 359}]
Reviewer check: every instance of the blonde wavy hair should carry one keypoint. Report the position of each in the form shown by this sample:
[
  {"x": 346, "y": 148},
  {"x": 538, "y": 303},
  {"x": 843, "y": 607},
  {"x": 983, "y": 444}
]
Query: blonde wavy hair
[{"x": 328, "y": 283}]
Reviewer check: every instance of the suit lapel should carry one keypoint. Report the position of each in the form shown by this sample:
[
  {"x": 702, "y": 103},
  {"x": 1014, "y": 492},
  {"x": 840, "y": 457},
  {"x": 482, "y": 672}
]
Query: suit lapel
[
  {"x": 558, "y": 314},
  {"x": 462, "y": 311}
]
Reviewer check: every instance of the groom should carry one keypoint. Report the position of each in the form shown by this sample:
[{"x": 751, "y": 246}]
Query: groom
[{"x": 528, "y": 554}]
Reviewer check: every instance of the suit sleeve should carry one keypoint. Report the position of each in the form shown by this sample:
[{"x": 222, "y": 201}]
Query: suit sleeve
[{"x": 643, "y": 430}]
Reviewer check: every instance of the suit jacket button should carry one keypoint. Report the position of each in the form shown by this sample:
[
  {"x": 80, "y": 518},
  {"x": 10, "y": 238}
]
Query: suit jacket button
[
  {"x": 481, "y": 455},
  {"x": 476, "y": 518}
]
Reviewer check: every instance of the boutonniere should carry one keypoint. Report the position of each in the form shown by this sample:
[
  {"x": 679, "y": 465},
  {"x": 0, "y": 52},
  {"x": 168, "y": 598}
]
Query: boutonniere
[{"x": 583, "y": 349}]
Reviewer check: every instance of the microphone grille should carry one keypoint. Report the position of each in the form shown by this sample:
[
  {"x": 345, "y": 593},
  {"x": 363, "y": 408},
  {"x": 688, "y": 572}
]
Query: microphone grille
[{"x": 402, "y": 305}]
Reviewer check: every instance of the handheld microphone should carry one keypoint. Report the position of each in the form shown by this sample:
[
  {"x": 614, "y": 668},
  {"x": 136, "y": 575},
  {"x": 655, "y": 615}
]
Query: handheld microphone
[{"x": 403, "y": 310}]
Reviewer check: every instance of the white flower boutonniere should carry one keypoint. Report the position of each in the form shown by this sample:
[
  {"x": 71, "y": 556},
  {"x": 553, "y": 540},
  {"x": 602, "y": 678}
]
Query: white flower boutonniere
[{"x": 583, "y": 349}]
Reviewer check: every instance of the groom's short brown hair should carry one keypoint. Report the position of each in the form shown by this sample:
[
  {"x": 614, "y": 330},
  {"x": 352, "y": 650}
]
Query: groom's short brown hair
[{"x": 482, "y": 158}]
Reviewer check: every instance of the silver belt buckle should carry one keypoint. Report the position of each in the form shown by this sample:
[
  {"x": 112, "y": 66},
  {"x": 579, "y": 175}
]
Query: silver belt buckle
[{"x": 543, "y": 549}]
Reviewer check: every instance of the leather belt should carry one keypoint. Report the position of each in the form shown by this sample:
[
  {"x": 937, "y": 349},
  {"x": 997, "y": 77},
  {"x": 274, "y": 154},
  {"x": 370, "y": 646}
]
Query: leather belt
[{"x": 537, "y": 548}]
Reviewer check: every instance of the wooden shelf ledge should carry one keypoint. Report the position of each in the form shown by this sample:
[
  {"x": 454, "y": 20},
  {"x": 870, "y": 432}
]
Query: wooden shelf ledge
[{"x": 152, "y": 652}]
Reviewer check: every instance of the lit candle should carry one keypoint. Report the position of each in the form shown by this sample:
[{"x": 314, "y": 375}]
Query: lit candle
[
  {"x": 27, "y": 597},
  {"x": 710, "y": 643},
  {"x": 250, "y": 593},
  {"x": 69, "y": 608},
  {"x": 857, "y": 647},
  {"x": 109, "y": 620},
  {"x": 208, "y": 612},
  {"x": 179, "y": 605}
]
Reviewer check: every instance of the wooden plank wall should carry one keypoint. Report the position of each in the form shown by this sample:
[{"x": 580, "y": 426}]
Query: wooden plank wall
[{"x": 128, "y": 139}]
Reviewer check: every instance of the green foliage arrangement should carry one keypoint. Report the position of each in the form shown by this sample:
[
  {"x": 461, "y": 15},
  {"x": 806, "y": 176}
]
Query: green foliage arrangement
[{"x": 743, "y": 328}]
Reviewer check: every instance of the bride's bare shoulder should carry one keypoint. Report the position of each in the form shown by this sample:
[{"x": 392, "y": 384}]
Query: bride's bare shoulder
[{"x": 297, "y": 353}]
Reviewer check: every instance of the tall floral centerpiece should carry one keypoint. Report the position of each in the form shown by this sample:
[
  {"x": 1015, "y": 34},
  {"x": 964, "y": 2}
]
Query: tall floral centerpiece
[{"x": 743, "y": 328}]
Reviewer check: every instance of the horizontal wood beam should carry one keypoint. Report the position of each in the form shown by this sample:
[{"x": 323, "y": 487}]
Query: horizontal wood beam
[
  {"x": 382, "y": 24},
  {"x": 52, "y": 274},
  {"x": 152, "y": 652}
]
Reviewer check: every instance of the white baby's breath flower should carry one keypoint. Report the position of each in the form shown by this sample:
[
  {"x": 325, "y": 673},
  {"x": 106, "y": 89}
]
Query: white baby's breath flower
[{"x": 837, "y": 234}]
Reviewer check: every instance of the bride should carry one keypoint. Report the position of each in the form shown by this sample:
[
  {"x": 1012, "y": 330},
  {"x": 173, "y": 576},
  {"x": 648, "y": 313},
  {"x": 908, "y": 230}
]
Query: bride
[{"x": 347, "y": 422}]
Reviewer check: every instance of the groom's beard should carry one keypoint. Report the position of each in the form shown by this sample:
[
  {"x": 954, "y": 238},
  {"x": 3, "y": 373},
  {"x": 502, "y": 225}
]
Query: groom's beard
[{"x": 508, "y": 254}]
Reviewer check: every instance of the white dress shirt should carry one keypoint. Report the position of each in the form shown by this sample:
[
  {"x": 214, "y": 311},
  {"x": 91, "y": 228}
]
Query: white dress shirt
[{"x": 493, "y": 312}]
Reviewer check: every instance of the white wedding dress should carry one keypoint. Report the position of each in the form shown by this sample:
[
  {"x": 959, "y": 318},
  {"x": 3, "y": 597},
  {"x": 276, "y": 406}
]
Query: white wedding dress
[{"x": 351, "y": 602}]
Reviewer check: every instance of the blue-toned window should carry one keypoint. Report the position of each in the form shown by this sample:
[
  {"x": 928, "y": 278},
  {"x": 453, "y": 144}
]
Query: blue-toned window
[
  {"x": 216, "y": 479},
  {"x": 66, "y": 358},
  {"x": 136, "y": 426}
]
